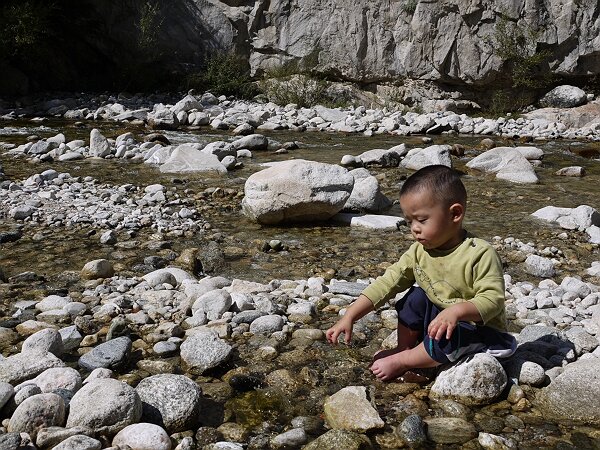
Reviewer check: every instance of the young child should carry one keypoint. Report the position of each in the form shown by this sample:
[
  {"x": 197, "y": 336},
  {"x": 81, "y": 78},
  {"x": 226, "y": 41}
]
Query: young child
[{"x": 457, "y": 305}]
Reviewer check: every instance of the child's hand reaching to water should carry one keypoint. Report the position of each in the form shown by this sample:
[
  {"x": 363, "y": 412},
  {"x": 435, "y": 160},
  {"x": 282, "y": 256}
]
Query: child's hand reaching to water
[{"x": 344, "y": 325}]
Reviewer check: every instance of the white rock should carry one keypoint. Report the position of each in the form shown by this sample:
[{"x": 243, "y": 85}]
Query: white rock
[
  {"x": 296, "y": 190},
  {"x": 145, "y": 436}
]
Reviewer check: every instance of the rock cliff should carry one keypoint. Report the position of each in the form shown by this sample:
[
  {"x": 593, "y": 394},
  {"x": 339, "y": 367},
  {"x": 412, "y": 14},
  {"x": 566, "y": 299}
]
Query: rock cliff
[{"x": 449, "y": 42}]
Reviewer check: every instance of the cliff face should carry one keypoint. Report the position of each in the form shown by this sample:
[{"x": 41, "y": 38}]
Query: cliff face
[
  {"x": 441, "y": 40},
  {"x": 446, "y": 41}
]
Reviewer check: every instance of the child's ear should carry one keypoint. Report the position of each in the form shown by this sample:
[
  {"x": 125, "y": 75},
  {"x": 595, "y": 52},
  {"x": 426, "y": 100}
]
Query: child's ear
[{"x": 457, "y": 212}]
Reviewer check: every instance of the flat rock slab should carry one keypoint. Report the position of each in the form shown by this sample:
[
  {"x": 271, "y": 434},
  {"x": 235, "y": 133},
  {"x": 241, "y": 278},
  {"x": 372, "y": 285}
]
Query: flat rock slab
[
  {"x": 347, "y": 288},
  {"x": 371, "y": 221}
]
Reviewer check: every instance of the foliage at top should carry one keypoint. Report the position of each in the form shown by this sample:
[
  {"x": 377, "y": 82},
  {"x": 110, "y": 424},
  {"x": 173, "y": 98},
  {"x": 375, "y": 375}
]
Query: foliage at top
[{"x": 517, "y": 46}]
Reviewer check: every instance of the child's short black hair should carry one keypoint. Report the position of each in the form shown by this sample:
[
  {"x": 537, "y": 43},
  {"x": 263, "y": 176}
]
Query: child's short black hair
[{"x": 441, "y": 181}]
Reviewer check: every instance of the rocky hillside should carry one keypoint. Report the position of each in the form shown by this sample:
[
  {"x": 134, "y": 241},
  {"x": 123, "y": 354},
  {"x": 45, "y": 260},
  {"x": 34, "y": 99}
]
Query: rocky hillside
[{"x": 466, "y": 44}]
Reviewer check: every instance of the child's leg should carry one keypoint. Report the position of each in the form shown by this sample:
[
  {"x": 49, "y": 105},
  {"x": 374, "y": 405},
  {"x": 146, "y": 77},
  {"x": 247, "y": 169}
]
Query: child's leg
[{"x": 394, "y": 365}]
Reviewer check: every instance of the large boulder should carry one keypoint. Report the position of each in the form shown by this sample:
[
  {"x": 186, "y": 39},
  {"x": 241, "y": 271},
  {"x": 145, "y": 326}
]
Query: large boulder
[
  {"x": 105, "y": 405},
  {"x": 507, "y": 163},
  {"x": 564, "y": 96},
  {"x": 574, "y": 394},
  {"x": 296, "y": 191},
  {"x": 476, "y": 380},
  {"x": 36, "y": 412},
  {"x": 187, "y": 158},
  {"x": 171, "y": 401},
  {"x": 204, "y": 350}
]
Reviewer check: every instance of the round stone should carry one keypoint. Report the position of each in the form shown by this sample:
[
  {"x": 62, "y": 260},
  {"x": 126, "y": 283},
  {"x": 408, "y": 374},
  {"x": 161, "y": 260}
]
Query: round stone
[
  {"x": 145, "y": 436},
  {"x": 171, "y": 401},
  {"x": 106, "y": 405}
]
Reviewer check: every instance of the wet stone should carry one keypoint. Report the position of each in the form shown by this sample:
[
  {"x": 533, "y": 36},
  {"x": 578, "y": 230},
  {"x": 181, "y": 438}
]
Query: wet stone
[
  {"x": 412, "y": 430},
  {"x": 450, "y": 430}
]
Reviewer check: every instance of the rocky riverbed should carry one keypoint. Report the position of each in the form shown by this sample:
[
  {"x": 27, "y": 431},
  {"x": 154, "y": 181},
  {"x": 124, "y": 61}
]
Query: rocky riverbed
[{"x": 139, "y": 307}]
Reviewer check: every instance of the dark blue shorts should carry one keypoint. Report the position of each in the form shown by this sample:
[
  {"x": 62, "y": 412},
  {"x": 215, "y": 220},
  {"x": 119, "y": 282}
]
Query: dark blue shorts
[{"x": 416, "y": 311}]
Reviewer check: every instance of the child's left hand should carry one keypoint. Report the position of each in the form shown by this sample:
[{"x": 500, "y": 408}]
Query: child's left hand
[{"x": 444, "y": 323}]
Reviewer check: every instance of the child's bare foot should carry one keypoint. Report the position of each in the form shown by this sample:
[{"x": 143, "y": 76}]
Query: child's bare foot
[{"x": 389, "y": 366}]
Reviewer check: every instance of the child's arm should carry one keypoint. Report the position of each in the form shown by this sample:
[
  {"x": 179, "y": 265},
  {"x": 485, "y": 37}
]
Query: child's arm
[
  {"x": 361, "y": 306},
  {"x": 446, "y": 321}
]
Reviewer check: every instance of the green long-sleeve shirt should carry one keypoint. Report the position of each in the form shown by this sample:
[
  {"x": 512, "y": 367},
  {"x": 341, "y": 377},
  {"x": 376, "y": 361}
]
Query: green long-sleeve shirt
[{"x": 471, "y": 271}]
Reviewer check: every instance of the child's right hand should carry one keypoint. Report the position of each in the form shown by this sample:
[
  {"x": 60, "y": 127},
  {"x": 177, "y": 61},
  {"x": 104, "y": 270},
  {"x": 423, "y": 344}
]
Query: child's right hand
[{"x": 344, "y": 325}]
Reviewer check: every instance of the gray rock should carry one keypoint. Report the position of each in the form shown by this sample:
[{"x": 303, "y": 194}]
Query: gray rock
[
  {"x": 109, "y": 355},
  {"x": 108, "y": 237},
  {"x": 162, "y": 118},
  {"x": 507, "y": 163},
  {"x": 171, "y": 401},
  {"x": 79, "y": 442},
  {"x": 106, "y": 405},
  {"x": 297, "y": 190},
  {"x": 294, "y": 438},
  {"x": 575, "y": 286},
  {"x": 38, "y": 411},
  {"x": 204, "y": 350},
  {"x": 571, "y": 171},
  {"x": 58, "y": 378},
  {"x": 21, "y": 212},
  {"x": 450, "y": 430},
  {"x": 418, "y": 158},
  {"x": 44, "y": 341},
  {"x": 6, "y": 392},
  {"x": 213, "y": 304},
  {"x": 532, "y": 333},
  {"x": 10, "y": 441},
  {"x": 220, "y": 149},
  {"x": 366, "y": 194},
  {"x": 582, "y": 340},
  {"x": 532, "y": 374},
  {"x": 52, "y": 436},
  {"x": 338, "y": 439},
  {"x": 186, "y": 104},
  {"x": 475, "y": 380},
  {"x": 347, "y": 288},
  {"x": 21, "y": 367},
  {"x": 159, "y": 277},
  {"x": 573, "y": 395},
  {"x": 539, "y": 266},
  {"x": 267, "y": 324},
  {"x": 187, "y": 159},
  {"x": 382, "y": 157},
  {"x": 71, "y": 338},
  {"x": 349, "y": 409},
  {"x": 143, "y": 436},
  {"x": 247, "y": 316},
  {"x": 99, "y": 145},
  {"x": 24, "y": 391},
  {"x": 251, "y": 142},
  {"x": 564, "y": 96},
  {"x": 98, "y": 268},
  {"x": 412, "y": 430}
]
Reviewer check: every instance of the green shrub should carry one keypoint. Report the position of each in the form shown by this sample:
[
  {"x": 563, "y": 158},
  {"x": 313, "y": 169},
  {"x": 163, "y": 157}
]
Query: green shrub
[
  {"x": 301, "y": 90},
  {"x": 410, "y": 6},
  {"x": 517, "y": 47},
  {"x": 224, "y": 74}
]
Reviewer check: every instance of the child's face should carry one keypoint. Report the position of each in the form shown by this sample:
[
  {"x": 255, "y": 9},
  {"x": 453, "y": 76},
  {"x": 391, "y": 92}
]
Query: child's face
[{"x": 431, "y": 223}]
